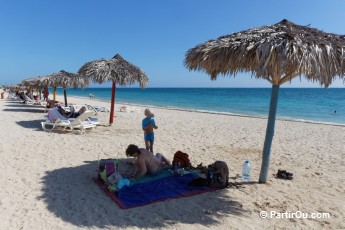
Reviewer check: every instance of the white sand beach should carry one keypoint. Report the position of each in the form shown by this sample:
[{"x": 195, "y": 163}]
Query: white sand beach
[{"x": 46, "y": 178}]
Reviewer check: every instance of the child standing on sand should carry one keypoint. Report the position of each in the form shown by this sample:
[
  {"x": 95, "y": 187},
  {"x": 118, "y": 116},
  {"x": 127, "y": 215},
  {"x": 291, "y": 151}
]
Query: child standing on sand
[{"x": 148, "y": 124}]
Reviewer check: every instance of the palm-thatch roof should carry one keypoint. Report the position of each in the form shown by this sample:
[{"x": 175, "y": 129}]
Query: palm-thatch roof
[
  {"x": 14, "y": 87},
  {"x": 276, "y": 53},
  {"x": 66, "y": 80},
  {"x": 10, "y": 86},
  {"x": 30, "y": 82},
  {"x": 36, "y": 82},
  {"x": 116, "y": 69}
]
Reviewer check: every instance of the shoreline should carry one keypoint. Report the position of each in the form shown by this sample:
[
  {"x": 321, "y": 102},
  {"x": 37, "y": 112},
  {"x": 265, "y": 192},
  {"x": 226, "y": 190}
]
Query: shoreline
[{"x": 213, "y": 112}]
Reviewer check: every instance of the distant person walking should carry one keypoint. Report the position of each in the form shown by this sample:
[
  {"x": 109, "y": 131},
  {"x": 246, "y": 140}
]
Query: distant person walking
[{"x": 148, "y": 124}]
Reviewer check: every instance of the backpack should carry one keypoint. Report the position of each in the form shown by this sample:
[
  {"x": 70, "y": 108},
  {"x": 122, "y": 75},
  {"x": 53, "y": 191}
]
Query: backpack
[
  {"x": 218, "y": 175},
  {"x": 106, "y": 167},
  {"x": 181, "y": 158}
]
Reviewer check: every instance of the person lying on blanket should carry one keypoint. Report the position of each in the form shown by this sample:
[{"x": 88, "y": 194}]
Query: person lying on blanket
[{"x": 146, "y": 162}]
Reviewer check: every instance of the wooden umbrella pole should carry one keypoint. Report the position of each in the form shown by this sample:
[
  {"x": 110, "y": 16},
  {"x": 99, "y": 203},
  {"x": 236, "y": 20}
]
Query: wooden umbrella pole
[
  {"x": 54, "y": 93},
  {"x": 64, "y": 94},
  {"x": 269, "y": 134},
  {"x": 112, "y": 107}
]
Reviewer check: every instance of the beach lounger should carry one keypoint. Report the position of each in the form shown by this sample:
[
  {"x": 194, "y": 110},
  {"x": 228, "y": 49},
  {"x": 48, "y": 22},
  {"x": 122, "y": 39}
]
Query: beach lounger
[
  {"x": 101, "y": 109},
  {"x": 55, "y": 121},
  {"x": 29, "y": 101},
  {"x": 11, "y": 96},
  {"x": 82, "y": 122},
  {"x": 127, "y": 109},
  {"x": 92, "y": 118}
]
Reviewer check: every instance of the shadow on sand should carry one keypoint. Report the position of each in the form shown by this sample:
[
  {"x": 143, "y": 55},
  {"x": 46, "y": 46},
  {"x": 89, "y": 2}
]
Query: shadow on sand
[
  {"x": 23, "y": 105},
  {"x": 72, "y": 195},
  {"x": 26, "y": 110},
  {"x": 34, "y": 124},
  {"x": 16, "y": 106}
]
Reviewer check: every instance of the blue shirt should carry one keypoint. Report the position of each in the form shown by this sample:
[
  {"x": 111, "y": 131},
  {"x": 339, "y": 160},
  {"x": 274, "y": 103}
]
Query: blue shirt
[{"x": 146, "y": 122}]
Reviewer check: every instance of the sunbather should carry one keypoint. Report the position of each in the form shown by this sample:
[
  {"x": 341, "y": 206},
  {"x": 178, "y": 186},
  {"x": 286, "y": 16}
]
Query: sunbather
[
  {"x": 72, "y": 114},
  {"x": 55, "y": 114},
  {"x": 145, "y": 161},
  {"x": 60, "y": 113},
  {"x": 81, "y": 110}
]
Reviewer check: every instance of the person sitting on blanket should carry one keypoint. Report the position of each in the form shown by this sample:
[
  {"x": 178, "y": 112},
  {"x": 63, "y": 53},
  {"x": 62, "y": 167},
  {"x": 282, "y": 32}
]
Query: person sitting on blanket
[{"x": 146, "y": 162}]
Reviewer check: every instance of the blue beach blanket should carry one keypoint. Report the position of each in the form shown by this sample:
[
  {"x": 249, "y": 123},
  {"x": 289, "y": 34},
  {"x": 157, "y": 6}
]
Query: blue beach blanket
[
  {"x": 163, "y": 173},
  {"x": 163, "y": 188}
]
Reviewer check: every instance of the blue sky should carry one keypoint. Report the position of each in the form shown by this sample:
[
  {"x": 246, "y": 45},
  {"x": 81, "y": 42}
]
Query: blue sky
[{"x": 42, "y": 37}]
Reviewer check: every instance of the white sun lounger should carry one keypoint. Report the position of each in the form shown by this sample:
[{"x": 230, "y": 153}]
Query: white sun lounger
[
  {"x": 56, "y": 121},
  {"x": 82, "y": 122},
  {"x": 93, "y": 112},
  {"x": 29, "y": 101}
]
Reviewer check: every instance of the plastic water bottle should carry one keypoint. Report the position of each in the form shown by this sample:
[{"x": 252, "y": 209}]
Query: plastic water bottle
[{"x": 246, "y": 171}]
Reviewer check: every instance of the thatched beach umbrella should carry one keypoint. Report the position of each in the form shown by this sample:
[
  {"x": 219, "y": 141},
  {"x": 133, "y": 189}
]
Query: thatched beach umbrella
[
  {"x": 12, "y": 87},
  {"x": 16, "y": 87},
  {"x": 276, "y": 53},
  {"x": 35, "y": 83},
  {"x": 30, "y": 82},
  {"x": 117, "y": 70},
  {"x": 66, "y": 80}
]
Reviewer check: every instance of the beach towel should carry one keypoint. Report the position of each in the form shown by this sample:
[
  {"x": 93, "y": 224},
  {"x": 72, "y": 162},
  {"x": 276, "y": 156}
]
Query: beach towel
[
  {"x": 155, "y": 190},
  {"x": 54, "y": 114}
]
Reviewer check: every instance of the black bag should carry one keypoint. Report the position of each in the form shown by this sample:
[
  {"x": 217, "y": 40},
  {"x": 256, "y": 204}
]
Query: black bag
[{"x": 218, "y": 175}]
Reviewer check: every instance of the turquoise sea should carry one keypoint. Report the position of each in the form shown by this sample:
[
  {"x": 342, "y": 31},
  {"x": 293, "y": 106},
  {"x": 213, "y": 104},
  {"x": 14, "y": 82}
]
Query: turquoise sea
[{"x": 321, "y": 105}]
